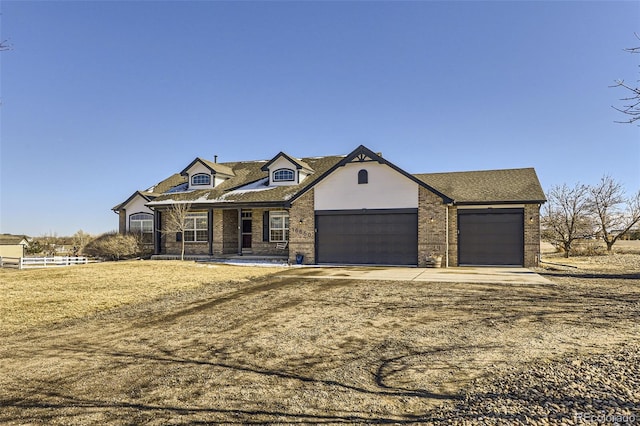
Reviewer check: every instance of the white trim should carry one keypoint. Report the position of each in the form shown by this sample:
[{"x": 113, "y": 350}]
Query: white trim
[
  {"x": 201, "y": 184},
  {"x": 285, "y": 229}
]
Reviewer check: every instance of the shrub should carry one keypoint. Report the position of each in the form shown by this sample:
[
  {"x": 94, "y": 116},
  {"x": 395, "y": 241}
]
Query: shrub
[{"x": 113, "y": 246}]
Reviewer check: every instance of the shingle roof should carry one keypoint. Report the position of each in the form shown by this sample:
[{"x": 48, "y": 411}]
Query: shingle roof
[
  {"x": 249, "y": 179},
  {"x": 214, "y": 167},
  {"x": 165, "y": 185},
  {"x": 300, "y": 164},
  {"x": 8, "y": 239},
  {"x": 488, "y": 186},
  {"x": 248, "y": 185}
]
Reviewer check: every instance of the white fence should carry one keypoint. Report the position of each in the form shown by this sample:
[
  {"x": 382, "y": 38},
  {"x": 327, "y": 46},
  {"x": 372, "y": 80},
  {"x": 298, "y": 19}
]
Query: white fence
[{"x": 41, "y": 262}]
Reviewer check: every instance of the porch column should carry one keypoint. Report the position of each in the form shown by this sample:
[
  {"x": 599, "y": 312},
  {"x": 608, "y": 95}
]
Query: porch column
[
  {"x": 239, "y": 232},
  {"x": 210, "y": 230},
  {"x": 157, "y": 234}
]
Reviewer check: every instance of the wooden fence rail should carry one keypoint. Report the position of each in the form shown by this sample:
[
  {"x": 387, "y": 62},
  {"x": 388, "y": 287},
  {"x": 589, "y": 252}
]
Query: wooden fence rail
[{"x": 41, "y": 262}]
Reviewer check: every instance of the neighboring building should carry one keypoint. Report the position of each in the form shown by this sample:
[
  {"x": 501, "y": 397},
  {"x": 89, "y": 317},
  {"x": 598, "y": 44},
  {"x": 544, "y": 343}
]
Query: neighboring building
[
  {"x": 13, "y": 245},
  {"x": 353, "y": 209}
]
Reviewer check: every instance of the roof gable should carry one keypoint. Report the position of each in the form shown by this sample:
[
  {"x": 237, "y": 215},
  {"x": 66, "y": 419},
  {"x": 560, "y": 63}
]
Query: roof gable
[
  {"x": 146, "y": 197},
  {"x": 215, "y": 168},
  {"x": 9, "y": 239},
  {"x": 362, "y": 154},
  {"x": 298, "y": 164}
]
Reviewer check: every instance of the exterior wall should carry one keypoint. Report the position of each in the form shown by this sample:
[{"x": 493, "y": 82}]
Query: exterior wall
[
  {"x": 387, "y": 189},
  {"x": 259, "y": 246},
  {"x": 432, "y": 226},
  {"x": 218, "y": 226},
  {"x": 169, "y": 245},
  {"x": 122, "y": 221},
  {"x": 229, "y": 231},
  {"x": 302, "y": 229},
  {"x": 453, "y": 236},
  {"x": 12, "y": 250},
  {"x": 137, "y": 205},
  {"x": 531, "y": 235}
]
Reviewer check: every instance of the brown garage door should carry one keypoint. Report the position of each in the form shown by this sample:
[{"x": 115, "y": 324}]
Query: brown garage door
[
  {"x": 372, "y": 237},
  {"x": 491, "y": 237}
]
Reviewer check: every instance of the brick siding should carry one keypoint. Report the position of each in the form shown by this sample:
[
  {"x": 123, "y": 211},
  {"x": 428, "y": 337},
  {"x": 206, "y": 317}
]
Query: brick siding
[
  {"x": 302, "y": 228},
  {"x": 432, "y": 226},
  {"x": 531, "y": 235}
]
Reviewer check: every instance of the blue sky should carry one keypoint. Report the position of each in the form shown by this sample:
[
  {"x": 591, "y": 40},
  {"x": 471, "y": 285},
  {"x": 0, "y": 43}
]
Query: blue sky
[{"x": 100, "y": 99}]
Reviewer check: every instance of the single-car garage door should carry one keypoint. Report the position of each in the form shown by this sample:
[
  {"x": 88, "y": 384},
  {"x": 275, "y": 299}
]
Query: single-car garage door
[
  {"x": 491, "y": 237},
  {"x": 378, "y": 237}
]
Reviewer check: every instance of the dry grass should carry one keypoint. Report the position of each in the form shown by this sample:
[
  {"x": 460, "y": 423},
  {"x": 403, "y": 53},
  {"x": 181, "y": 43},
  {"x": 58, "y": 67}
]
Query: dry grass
[
  {"x": 287, "y": 350},
  {"x": 37, "y": 297}
]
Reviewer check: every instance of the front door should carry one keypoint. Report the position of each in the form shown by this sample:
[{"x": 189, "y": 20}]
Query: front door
[{"x": 246, "y": 231}]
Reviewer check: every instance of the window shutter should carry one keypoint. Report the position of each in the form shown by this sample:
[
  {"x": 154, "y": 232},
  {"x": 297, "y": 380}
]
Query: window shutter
[{"x": 265, "y": 226}]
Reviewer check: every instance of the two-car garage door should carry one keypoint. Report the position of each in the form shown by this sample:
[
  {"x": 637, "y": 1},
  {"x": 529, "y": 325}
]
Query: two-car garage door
[{"x": 382, "y": 237}]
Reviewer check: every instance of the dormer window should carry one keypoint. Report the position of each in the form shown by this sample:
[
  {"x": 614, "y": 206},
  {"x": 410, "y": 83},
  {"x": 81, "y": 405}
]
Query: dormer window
[
  {"x": 283, "y": 175},
  {"x": 201, "y": 179}
]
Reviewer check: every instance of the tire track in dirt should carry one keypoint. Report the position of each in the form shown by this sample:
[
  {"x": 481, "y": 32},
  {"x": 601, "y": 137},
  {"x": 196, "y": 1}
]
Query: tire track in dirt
[{"x": 274, "y": 283}]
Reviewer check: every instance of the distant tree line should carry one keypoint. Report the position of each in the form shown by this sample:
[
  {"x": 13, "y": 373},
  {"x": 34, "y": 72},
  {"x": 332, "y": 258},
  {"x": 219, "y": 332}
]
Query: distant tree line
[{"x": 600, "y": 211}]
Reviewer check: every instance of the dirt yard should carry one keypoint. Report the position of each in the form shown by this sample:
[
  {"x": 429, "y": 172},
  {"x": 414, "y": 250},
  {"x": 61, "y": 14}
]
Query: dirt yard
[{"x": 290, "y": 350}]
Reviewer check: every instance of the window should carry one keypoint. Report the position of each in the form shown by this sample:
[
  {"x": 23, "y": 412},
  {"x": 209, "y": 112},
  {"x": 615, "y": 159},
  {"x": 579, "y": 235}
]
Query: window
[
  {"x": 279, "y": 226},
  {"x": 196, "y": 227},
  {"x": 142, "y": 224},
  {"x": 283, "y": 175},
  {"x": 201, "y": 179},
  {"x": 363, "y": 177}
]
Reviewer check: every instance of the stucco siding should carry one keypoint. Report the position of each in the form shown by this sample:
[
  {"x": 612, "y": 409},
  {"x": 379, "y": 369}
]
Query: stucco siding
[{"x": 386, "y": 189}]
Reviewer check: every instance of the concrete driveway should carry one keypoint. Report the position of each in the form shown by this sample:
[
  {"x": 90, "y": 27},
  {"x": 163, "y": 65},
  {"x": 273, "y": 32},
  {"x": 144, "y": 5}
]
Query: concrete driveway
[{"x": 495, "y": 275}]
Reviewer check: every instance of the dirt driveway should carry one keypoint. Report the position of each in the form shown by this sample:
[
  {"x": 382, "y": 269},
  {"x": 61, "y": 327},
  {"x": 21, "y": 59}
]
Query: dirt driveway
[{"x": 303, "y": 350}]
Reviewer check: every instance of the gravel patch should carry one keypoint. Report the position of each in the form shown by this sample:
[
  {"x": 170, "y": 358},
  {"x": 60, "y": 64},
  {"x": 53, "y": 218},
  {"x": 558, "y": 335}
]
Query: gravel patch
[{"x": 596, "y": 389}]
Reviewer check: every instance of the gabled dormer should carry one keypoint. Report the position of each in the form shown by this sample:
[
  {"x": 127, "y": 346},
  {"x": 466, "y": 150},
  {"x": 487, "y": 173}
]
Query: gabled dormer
[
  {"x": 204, "y": 174},
  {"x": 285, "y": 170}
]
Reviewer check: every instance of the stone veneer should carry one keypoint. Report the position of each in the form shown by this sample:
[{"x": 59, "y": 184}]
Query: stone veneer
[
  {"x": 302, "y": 227},
  {"x": 122, "y": 221},
  {"x": 432, "y": 226},
  {"x": 453, "y": 235},
  {"x": 531, "y": 235},
  {"x": 432, "y": 232},
  {"x": 171, "y": 246}
]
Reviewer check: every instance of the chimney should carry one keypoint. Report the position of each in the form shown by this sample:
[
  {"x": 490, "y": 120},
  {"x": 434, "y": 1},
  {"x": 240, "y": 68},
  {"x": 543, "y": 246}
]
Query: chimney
[{"x": 215, "y": 158}]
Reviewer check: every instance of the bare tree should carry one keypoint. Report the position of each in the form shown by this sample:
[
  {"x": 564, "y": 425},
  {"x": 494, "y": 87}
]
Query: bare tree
[
  {"x": 4, "y": 45},
  {"x": 566, "y": 216},
  {"x": 613, "y": 214},
  {"x": 80, "y": 239},
  {"x": 176, "y": 222},
  {"x": 631, "y": 106}
]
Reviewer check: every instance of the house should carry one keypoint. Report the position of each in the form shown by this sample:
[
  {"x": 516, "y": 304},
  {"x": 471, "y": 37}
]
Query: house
[
  {"x": 13, "y": 245},
  {"x": 358, "y": 208}
]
